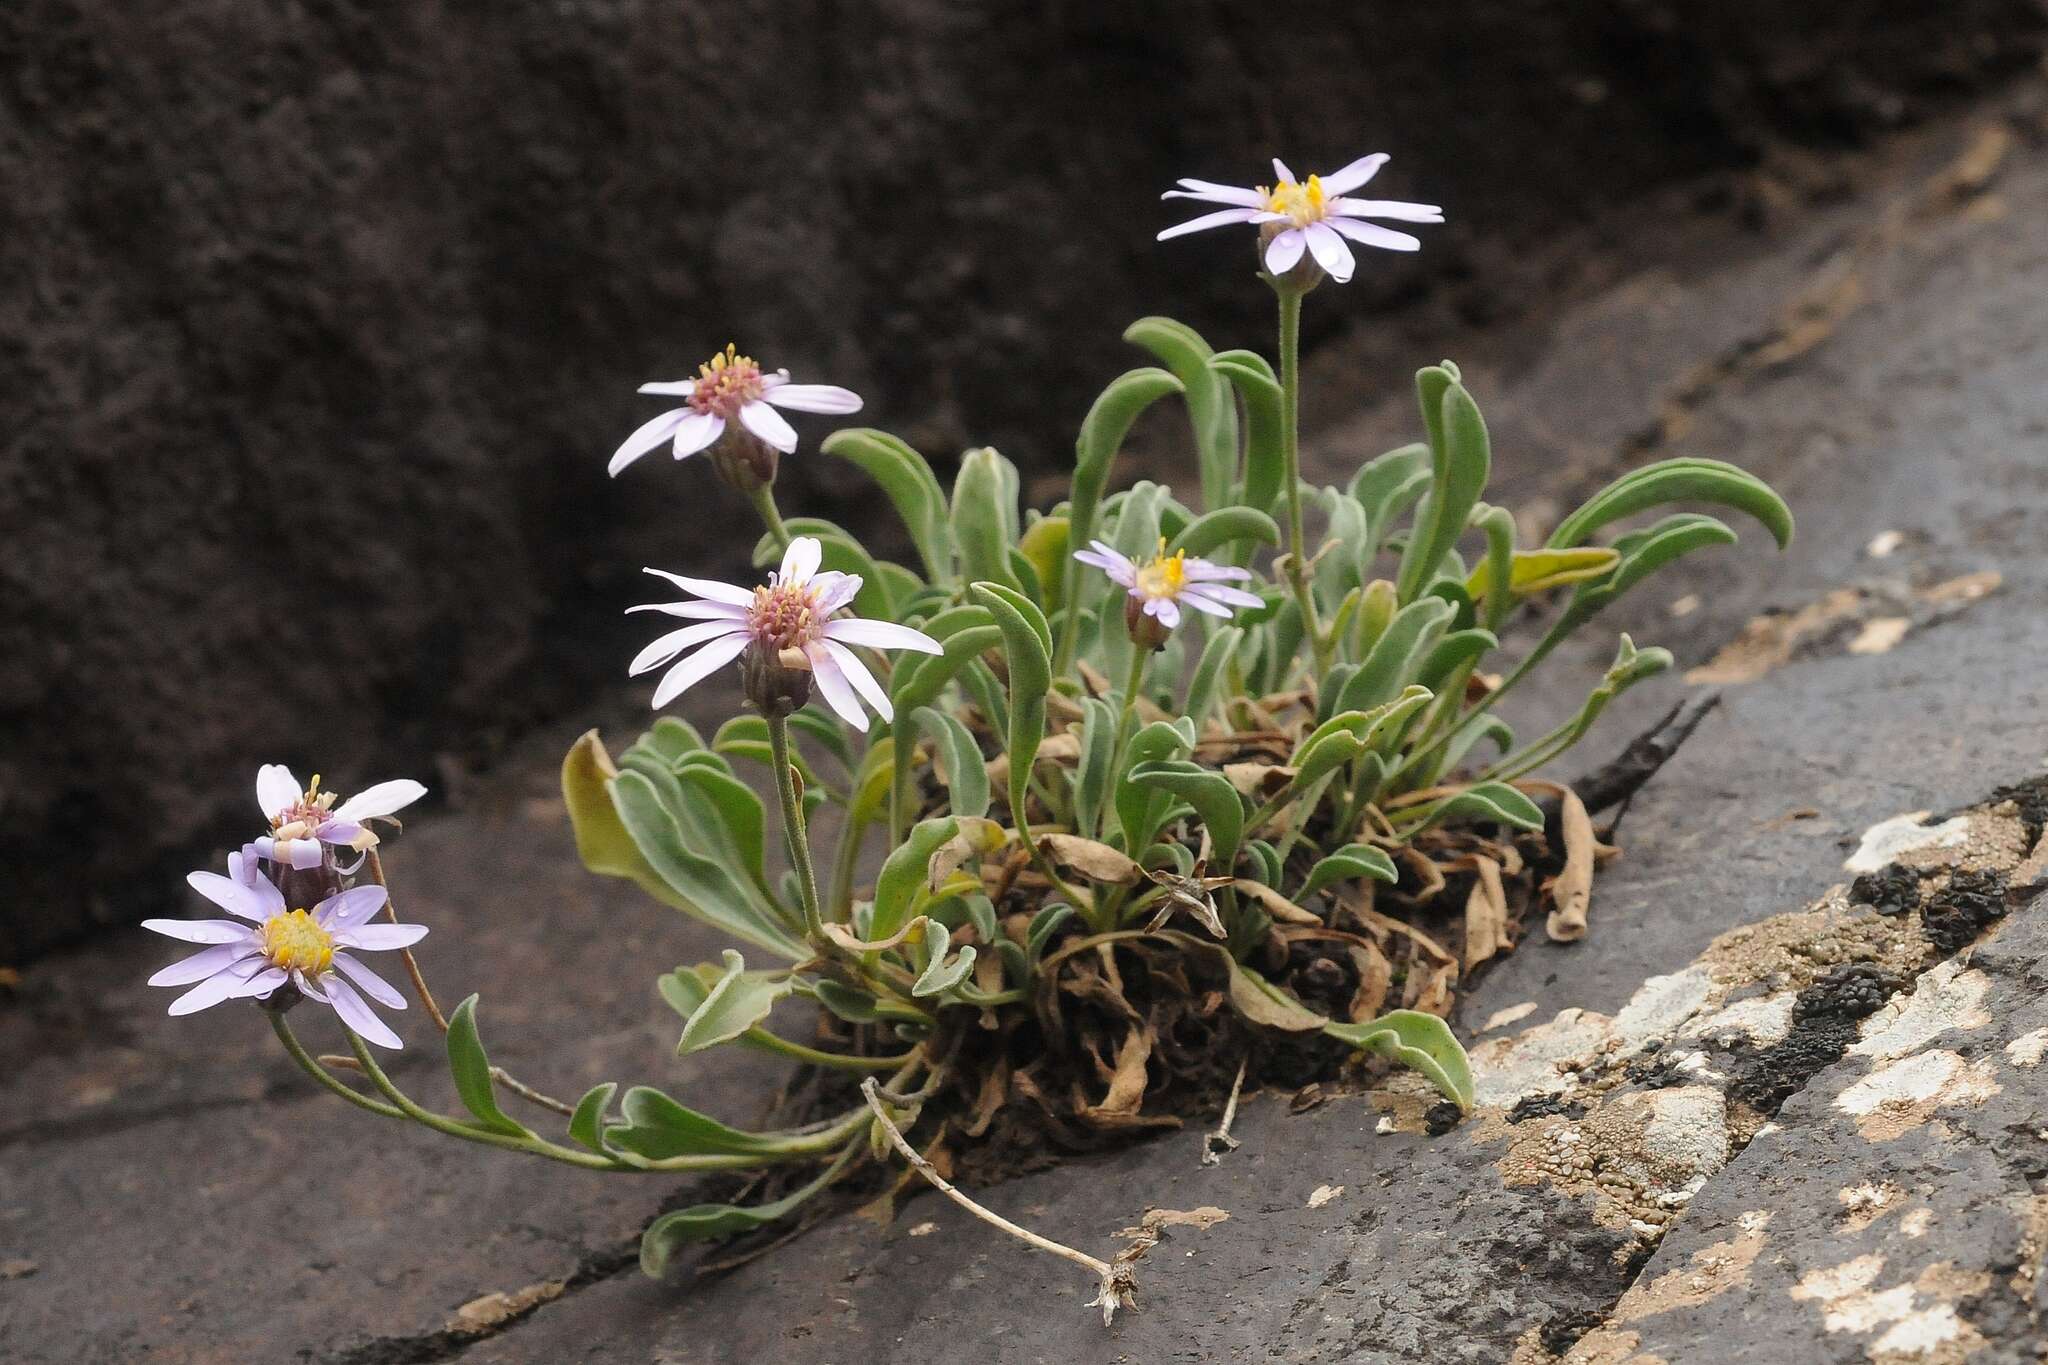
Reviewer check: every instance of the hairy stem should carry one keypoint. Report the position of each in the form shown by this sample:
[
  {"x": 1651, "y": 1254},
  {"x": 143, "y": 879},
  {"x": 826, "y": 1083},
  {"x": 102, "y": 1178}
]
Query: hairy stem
[
  {"x": 1290, "y": 451},
  {"x": 794, "y": 836},
  {"x": 763, "y": 497},
  {"x": 293, "y": 1046}
]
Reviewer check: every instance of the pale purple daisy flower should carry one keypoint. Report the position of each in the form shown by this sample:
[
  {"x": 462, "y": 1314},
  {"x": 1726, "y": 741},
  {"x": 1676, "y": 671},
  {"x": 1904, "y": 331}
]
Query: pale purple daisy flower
[
  {"x": 1310, "y": 216},
  {"x": 1162, "y": 585},
  {"x": 303, "y": 819},
  {"x": 791, "y": 620},
  {"x": 730, "y": 387},
  {"x": 268, "y": 947}
]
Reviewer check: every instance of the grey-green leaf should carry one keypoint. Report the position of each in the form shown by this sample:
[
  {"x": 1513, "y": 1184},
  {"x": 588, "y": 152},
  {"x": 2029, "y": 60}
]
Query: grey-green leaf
[
  {"x": 1421, "y": 1041},
  {"x": 737, "y": 1002},
  {"x": 472, "y": 1072},
  {"x": 1681, "y": 480},
  {"x": 1349, "y": 864}
]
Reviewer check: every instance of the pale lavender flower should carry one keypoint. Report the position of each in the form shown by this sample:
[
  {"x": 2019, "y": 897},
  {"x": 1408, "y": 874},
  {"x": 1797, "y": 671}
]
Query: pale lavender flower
[
  {"x": 730, "y": 387},
  {"x": 303, "y": 819},
  {"x": 1311, "y": 216},
  {"x": 268, "y": 947},
  {"x": 1166, "y": 582},
  {"x": 792, "y": 621}
]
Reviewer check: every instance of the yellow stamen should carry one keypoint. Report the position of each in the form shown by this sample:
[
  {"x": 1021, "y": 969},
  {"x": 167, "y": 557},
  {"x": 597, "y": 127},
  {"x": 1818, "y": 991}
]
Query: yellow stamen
[
  {"x": 1300, "y": 204},
  {"x": 1166, "y": 575},
  {"x": 296, "y": 942}
]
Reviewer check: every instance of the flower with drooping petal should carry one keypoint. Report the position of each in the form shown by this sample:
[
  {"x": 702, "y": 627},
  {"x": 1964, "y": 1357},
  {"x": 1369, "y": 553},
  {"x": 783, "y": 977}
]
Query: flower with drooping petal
[
  {"x": 1162, "y": 585},
  {"x": 730, "y": 387},
  {"x": 793, "y": 621},
  {"x": 1311, "y": 216},
  {"x": 303, "y": 819},
  {"x": 268, "y": 947}
]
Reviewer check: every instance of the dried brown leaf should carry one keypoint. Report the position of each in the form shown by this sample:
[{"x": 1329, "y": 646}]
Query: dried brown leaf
[{"x": 1096, "y": 861}]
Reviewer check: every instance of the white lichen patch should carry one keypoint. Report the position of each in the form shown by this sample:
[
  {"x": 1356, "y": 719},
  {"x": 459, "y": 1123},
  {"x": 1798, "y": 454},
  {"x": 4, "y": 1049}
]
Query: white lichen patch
[
  {"x": 1948, "y": 996},
  {"x": 1762, "y": 1019},
  {"x": 1889, "y": 840},
  {"x": 1908, "y": 1092},
  {"x": 1864, "y": 1204},
  {"x": 2028, "y": 1048},
  {"x": 1916, "y": 1223},
  {"x": 1541, "y": 1060},
  {"x": 1687, "y": 1133},
  {"x": 1914, "y": 1320},
  {"x": 1842, "y": 1284},
  {"x": 1660, "y": 1005}
]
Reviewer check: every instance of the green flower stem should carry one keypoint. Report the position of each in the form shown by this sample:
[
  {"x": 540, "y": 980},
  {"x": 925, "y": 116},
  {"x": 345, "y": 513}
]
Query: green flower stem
[
  {"x": 1127, "y": 719},
  {"x": 809, "y": 1144},
  {"x": 455, "y": 1128},
  {"x": 794, "y": 837},
  {"x": 763, "y": 497},
  {"x": 770, "y": 1042},
  {"x": 1290, "y": 450},
  {"x": 298, "y": 1053}
]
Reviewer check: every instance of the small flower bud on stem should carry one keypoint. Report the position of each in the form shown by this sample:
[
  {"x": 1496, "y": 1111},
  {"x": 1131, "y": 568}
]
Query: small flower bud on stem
[{"x": 777, "y": 683}]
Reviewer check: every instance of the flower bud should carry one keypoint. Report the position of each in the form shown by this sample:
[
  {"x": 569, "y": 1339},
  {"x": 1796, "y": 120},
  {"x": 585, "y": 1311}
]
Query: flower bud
[
  {"x": 745, "y": 461},
  {"x": 1305, "y": 275},
  {"x": 1147, "y": 631},
  {"x": 776, "y": 682},
  {"x": 1375, "y": 611}
]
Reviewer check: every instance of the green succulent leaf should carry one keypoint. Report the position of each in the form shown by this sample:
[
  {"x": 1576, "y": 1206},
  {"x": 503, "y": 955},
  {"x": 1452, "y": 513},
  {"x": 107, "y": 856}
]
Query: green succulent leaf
[
  {"x": 1140, "y": 807},
  {"x": 1386, "y": 487},
  {"x": 1045, "y": 544},
  {"x": 1395, "y": 659},
  {"x": 738, "y": 1001},
  {"x": 960, "y": 761},
  {"x": 1216, "y": 802},
  {"x": 657, "y": 1128},
  {"x": 907, "y": 478},
  {"x": 1091, "y": 778},
  {"x": 1349, "y": 864},
  {"x": 704, "y": 888},
  {"x": 985, "y": 515},
  {"x": 1027, "y": 644},
  {"x": 1485, "y": 802},
  {"x": 903, "y": 874},
  {"x": 1681, "y": 480},
  {"x": 586, "y": 1125},
  {"x": 1102, "y": 432},
  {"x": 1461, "y": 460},
  {"x": 1419, "y": 1041},
  {"x": 1265, "y": 461},
  {"x": 472, "y": 1072},
  {"x": 1213, "y": 416},
  {"x": 671, "y": 1232},
  {"x": 1224, "y": 526}
]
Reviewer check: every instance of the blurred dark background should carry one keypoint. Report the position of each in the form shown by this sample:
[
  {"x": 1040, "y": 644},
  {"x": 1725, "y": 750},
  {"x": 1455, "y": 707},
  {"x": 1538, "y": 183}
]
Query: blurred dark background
[{"x": 318, "y": 320}]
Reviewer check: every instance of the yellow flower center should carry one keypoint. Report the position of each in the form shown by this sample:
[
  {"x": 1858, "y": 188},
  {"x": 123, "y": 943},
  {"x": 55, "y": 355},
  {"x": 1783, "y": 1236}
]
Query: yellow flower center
[
  {"x": 726, "y": 382},
  {"x": 295, "y": 942},
  {"x": 1300, "y": 204},
  {"x": 1166, "y": 575}
]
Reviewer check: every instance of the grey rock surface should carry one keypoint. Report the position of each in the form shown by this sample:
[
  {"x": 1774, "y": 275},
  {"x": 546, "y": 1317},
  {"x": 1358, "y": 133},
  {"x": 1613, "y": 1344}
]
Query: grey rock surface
[
  {"x": 181, "y": 1196},
  {"x": 320, "y": 321}
]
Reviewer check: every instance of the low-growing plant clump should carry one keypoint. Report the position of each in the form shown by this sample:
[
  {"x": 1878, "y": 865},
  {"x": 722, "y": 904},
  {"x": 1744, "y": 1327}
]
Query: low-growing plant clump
[{"x": 1129, "y": 796}]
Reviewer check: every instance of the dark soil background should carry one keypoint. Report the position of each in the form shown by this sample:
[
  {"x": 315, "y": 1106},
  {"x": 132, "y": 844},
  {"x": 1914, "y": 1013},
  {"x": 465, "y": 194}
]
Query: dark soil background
[{"x": 318, "y": 321}]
